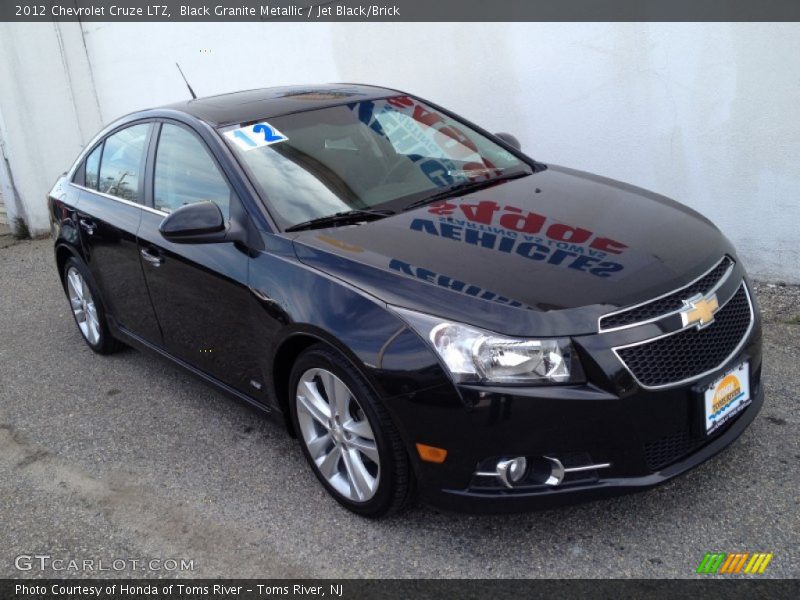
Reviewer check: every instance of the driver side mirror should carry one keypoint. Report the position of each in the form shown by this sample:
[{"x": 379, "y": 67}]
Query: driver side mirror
[
  {"x": 198, "y": 223},
  {"x": 509, "y": 139}
]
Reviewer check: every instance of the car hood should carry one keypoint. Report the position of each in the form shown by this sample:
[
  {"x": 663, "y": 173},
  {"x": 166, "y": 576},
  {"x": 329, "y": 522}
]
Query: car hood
[{"x": 545, "y": 254}]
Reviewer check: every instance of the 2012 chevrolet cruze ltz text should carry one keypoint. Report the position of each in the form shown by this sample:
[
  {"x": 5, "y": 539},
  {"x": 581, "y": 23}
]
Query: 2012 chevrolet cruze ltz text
[{"x": 429, "y": 311}]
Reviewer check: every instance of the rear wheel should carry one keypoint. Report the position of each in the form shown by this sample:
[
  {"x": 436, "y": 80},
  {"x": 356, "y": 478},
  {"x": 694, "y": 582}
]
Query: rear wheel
[
  {"x": 87, "y": 308},
  {"x": 347, "y": 435}
]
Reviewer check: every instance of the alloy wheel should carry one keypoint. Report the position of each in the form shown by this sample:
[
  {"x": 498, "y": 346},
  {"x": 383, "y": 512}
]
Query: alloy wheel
[
  {"x": 338, "y": 435},
  {"x": 83, "y": 306}
]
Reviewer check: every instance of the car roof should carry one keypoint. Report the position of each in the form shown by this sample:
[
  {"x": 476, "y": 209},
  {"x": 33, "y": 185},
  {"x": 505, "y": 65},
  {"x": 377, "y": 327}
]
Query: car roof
[{"x": 251, "y": 105}]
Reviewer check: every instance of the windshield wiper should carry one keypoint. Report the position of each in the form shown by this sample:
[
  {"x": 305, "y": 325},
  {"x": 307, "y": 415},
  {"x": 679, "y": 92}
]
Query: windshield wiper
[
  {"x": 340, "y": 218},
  {"x": 464, "y": 188}
]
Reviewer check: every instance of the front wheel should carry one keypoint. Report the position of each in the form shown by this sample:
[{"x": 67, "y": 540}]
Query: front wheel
[{"x": 347, "y": 435}]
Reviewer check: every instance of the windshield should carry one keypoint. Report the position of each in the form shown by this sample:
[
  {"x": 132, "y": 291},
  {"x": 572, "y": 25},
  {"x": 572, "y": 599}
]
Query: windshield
[{"x": 378, "y": 153}]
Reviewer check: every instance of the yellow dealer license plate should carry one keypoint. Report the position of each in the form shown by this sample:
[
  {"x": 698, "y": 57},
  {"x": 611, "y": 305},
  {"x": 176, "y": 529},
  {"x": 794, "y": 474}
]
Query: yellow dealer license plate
[{"x": 727, "y": 397}]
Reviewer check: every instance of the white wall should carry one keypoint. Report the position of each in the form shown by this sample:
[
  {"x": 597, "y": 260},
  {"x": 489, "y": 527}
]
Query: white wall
[
  {"x": 47, "y": 112},
  {"x": 708, "y": 114}
]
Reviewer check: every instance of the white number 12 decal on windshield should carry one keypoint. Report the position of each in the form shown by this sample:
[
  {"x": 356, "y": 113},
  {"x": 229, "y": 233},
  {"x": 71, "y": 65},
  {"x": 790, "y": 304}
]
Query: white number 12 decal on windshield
[{"x": 255, "y": 136}]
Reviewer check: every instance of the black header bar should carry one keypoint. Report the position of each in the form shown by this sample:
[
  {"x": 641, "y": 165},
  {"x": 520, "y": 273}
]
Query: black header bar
[
  {"x": 416, "y": 589},
  {"x": 399, "y": 10}
]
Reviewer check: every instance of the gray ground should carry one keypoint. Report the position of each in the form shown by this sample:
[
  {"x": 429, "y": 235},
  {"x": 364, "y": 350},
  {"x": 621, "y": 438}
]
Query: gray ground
[{"x": 128, "y": 457}]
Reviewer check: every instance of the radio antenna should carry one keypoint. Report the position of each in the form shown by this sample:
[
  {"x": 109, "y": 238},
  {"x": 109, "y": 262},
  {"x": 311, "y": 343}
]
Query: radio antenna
[{"x": 186, "y": 81}]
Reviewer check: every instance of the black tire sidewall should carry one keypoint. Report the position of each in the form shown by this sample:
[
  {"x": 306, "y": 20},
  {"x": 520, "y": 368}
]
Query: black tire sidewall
[{"x": 324, "y": 357}]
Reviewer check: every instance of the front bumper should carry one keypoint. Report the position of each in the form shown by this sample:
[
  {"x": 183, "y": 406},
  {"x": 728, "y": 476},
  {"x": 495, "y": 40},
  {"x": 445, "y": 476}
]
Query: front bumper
[
  {"x": 647, "y": 435},
  {"x": 619, "y": 479}
]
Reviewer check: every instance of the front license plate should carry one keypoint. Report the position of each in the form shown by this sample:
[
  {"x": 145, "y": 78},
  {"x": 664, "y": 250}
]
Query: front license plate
[{"x": 727, "y": 397}]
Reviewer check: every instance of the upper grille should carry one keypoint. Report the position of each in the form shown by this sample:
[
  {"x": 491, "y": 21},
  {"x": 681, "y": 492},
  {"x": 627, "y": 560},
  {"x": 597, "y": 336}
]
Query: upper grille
[
  {"x": 690, "y": 352},
  {"x": 666, "y": 304}
]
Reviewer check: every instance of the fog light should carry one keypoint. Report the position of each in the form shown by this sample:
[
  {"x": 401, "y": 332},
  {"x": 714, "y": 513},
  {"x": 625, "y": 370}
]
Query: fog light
[
  {"x": 512, "y": 470},
  {"x": 557, "y": 471}
]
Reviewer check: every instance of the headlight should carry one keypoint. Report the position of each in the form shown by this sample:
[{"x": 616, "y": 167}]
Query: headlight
[{"x": 476, "y": 355}]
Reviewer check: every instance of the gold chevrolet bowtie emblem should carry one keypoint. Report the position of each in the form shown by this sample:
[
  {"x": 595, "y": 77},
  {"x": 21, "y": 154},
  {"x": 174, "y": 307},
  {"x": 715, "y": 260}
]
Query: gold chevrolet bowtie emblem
[{"x": 699, "y": 311}]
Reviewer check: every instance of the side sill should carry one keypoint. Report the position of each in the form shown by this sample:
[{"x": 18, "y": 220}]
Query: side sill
[{"x": 143, "y": 344}]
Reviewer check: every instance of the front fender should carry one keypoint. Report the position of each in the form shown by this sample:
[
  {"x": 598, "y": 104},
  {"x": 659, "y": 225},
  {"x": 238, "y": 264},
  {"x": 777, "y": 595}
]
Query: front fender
[{"x": 295, "y": 299}]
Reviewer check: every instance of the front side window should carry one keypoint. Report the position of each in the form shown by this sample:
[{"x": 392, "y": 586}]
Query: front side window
[
  {"x": 185, "y": 173},
  {"x": 122, "y": 163},
  {"x": 366, "y": 154}
]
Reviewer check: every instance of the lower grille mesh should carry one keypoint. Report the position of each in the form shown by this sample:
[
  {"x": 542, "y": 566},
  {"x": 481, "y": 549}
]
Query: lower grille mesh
[
  {"x": 693, "y": 351},
  {"x": 669, "y": 449}
]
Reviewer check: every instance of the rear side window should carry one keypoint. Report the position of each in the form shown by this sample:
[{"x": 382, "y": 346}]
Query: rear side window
[
  {"x": 185, "y": 173},
  {"x": 123, "y": 162},
  {"x": 93, "y": 168}
]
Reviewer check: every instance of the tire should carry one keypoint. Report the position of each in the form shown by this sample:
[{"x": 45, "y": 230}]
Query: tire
[
  {"x": 87, "y": 308},
  {"x": 347, "y": 478}
]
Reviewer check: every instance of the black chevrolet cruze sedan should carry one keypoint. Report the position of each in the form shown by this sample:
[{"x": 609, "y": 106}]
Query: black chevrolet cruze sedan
[{"x": 425, "y": 307}]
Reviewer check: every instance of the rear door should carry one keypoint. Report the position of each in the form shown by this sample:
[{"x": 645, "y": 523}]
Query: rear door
[
  {"x": 200, "y": 292},
  {"x": 109, "y": 210}
]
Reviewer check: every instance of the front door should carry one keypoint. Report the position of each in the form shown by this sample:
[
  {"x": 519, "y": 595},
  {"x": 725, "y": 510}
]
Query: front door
[{"x": 200, "y": 291}]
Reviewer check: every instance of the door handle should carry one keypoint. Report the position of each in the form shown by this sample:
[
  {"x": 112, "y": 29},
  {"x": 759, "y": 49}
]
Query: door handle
[
  {"x": 154, "y": 259},
  {"x": 87, "y": 226}
]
